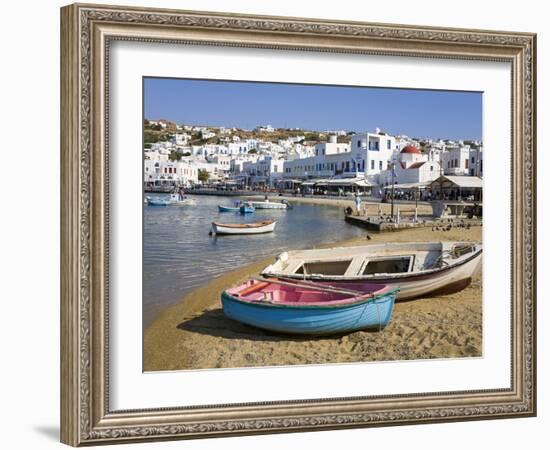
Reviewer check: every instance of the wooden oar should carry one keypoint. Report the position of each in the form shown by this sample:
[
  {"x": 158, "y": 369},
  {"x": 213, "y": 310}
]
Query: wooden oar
[{"x": 315, "y": 286}]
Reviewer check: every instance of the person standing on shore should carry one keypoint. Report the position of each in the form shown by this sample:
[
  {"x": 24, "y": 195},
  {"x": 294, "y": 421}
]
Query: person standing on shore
[{"x": 358, "y": 203}]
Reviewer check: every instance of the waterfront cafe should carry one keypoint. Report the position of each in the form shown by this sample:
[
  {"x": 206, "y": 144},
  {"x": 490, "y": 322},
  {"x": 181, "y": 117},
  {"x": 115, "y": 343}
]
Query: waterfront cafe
[
  {"x": 288, "y": 184},
  {"x": 457, "y": 196},
  {"x": 340, "y": 186},
  {"x": 409, "y": 187},
  {"x": 457, "y": 187}
]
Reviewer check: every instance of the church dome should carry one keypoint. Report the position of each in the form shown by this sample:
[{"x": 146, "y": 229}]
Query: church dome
[{"x": 410, "y": 149}]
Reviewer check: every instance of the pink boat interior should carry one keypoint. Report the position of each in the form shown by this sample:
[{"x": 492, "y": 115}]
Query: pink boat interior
[{"x": 288, "y": 293}]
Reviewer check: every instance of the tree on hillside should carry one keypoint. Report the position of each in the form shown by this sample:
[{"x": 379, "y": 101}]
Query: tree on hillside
[
  {"x": 203, "y": 175},
  {"x": 312, "y": 136},
  {"x": 175, "y": 155},
  {"x": 252, "y": 151}
]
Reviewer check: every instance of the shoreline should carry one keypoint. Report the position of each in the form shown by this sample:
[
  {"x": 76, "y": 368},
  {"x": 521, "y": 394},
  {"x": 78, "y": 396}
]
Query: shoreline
[
  {"x": 343, "y": 202},
  {"x": 194, "y": 333}
]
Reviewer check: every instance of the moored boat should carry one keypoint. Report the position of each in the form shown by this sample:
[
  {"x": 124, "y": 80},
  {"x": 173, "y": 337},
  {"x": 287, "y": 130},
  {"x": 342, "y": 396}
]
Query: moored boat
[
  {"x": 269, "y": 205},
  {"x": 172, "y": 200},
  {"x": 417, "y": 269},
  {"x": 266, "y": 226},
  {"x": 292, "y": 307},
  {"x": 158, "y": 201},
  {"x": 222, "y": 208},
  {"x": 246, "y": 208}
]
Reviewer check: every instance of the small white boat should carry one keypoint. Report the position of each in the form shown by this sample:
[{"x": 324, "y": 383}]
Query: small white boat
[
  {"x": 417, "y": 268},
  {"x": 269, "y": 205},
  {"x": 267, "y": 226},
  {"x": 172, "y": 200}
]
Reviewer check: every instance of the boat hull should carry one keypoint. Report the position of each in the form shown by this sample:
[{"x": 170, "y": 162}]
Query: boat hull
[
  {"x": 445, "y": 282},
  {"x": 170, "y": 201},
  {"x": 221, "y": 229},
  {"x": 268, "y": 205},
  {"x": 441, "y": 281},
  {"x": 370, "y": 314},
  {"x": 246, "y": 210},
  {"x": 222, "y": 208},
  {"x": 157, "y": 202}
]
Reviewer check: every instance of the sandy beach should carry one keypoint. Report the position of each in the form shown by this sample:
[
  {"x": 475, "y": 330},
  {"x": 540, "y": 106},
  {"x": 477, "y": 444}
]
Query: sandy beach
[{"x": 195, "y": 334}]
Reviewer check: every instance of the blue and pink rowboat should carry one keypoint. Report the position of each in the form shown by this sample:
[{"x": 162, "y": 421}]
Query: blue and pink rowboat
[{"x": 309, "y": 308}]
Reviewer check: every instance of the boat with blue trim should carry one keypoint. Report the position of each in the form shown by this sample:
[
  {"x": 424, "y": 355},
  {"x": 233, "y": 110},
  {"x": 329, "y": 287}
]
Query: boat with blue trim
[{"x": 308, "y": 308}]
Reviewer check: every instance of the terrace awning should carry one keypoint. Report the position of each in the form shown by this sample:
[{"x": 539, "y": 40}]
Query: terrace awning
[
  {"x": 359, "y": 182},
  {"x": 463, "y": 182},
  {"x": 409, "y": 186}
]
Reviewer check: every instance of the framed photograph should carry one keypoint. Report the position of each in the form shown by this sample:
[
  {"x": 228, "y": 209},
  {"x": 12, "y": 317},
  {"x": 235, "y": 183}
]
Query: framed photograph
[{"x": 276, "y": 224}]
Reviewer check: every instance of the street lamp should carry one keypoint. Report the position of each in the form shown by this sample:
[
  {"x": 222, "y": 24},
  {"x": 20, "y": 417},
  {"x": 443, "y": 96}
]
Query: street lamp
[{"x": 392, "y": 166}]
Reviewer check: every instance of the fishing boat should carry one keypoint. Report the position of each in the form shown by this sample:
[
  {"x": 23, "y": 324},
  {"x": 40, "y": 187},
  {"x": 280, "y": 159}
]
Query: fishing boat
[
  {"x": 246, "y": 208},
  {"x": 296, "y": 308},
  {"x": 266, "y": 226},
  {"x": 417, "y": 269},
  {"x": 223, "y": 208},
  {"x": 172, "y": 200},
  {"x": 269, "y": 205},
  {"x": 158, "y": 201}
]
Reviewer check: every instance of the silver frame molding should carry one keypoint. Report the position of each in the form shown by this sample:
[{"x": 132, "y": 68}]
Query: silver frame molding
[{"x": 86, "y": 32}]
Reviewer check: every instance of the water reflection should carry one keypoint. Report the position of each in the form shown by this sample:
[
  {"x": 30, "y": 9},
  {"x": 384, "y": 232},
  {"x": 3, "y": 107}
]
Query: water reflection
[{"x": 179, "y": 255}]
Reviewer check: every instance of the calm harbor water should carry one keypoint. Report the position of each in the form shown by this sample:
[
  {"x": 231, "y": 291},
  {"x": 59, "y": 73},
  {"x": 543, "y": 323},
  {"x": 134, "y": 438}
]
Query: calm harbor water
[{"x": 179, "y": 255}]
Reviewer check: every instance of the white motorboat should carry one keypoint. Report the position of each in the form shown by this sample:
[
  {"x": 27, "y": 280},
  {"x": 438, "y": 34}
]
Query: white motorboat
[
  {"x": 269, "y": 205},
  {"x": 417, "y": 268}
]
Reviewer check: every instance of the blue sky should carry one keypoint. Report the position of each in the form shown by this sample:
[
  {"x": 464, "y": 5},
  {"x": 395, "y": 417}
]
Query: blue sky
[{"x": 416, "y": 113}]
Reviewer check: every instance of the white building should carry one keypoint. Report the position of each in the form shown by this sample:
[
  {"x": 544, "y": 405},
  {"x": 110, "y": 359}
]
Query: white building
[
  {"x": 455, "y": 159},
  {"x": 181, "y": 139},
  {"x": 156, "y": 155},
  {"x": 236, "y": 165},
  {"x": 475, "y": 167},
  {"x": 264, "y": 172},
  {"x": 207, "y": 134},
  {"x": 411, "y": 167},
  {"x": 372, "y": 152},
  {"x": 237, "y": 148},
  {"x": 181, "y": 173},
  {"x": 264, "y": 129},
  {"x": 224, "y": 164},
  {"x": 367, "y": 155}
]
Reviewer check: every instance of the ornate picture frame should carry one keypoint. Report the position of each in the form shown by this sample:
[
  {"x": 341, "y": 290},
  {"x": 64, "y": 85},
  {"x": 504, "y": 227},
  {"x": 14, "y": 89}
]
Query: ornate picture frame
[{"x": 86, "y": 34}]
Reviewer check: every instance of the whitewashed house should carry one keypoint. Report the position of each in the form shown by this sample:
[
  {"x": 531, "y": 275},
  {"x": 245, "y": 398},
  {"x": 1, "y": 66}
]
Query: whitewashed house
[
  {"x": 263, "y": 172},
  {"x": 223, "y": 162},
  {"x": 455, "y": 159},
  {"x": 181, "y": 139},
  {"x": 166, "y": 173},
  {"x": 475, "y": 167}
]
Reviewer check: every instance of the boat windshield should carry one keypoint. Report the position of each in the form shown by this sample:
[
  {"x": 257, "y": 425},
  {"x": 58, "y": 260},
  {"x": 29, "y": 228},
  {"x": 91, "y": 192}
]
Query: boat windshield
[{"x": 399, "y": 264}]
